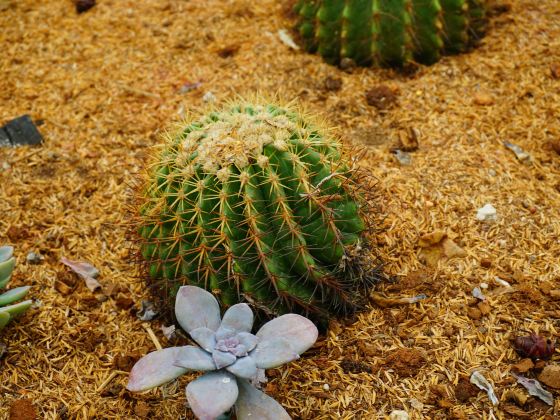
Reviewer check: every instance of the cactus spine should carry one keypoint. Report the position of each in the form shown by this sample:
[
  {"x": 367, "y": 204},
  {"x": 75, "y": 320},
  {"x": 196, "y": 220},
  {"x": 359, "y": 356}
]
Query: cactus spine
[
  {"x": 255, "y": 204},
  {"x": 389, "y": 32},
  {"x": 9, "y": 309}
]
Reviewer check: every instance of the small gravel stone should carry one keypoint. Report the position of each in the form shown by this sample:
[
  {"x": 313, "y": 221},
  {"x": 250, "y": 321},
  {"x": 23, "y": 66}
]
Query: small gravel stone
[
  {"x": 487, "y": 213},
  {"x": 34, "y": 258}
]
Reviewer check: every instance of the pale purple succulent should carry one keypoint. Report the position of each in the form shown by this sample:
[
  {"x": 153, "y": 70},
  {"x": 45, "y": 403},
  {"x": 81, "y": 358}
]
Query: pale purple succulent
[{"x": 229, "y": 352}]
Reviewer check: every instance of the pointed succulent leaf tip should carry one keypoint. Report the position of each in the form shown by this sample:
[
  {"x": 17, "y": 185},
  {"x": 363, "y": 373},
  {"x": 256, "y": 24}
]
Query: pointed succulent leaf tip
[
  {"x": 238, "y": 318},
  {"x": 196, "y": 308},
  {"x": 273, "y": 352},
  {"x": 205, "y": 338},
  {"x": 212, "y": 394},
  {"x": 155, "y": 369},
  {"x": 193, "y": 358},
  {"x": 299, "y": 331},
  {"x": 6, "y": 269},
  {"x": 6, "y": 252},
  {"x": 254, "y": 404},
  {"x": 4, "y": 319},
  {"x": 245, "y": 367},
  {"x": 248, "y": 340},
  {"x": 17, "y": 308},
  {"x": 223, "y": 359},
  {"x": 13, "y": 295}
]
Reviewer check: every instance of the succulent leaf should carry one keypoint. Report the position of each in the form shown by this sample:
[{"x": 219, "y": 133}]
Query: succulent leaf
[
  {"x": 17, "y": 308},
  {"x": 297, "y": 330},
  {"x": 212, "y": 394},
  {"x": 193, "y": 358},
  {"x": 238, "y": 318},
  {"x": 6, "y": 268},
  {"x": 244, "y": 367},
  {"x": 155, "y": 369},
  {"x": 273, "y": 352},
  {"x": 13, "y": 295},
  {"x": 248, "y": 340},
  {"x": 6, "y": 252},
  {"x": 196, "y": 308},
  {"x": 223, "y": 359},
  {"x": 205, "y": 338},
  {"x": 4, "y": 319},
  {"x": 254, "y": 404}
]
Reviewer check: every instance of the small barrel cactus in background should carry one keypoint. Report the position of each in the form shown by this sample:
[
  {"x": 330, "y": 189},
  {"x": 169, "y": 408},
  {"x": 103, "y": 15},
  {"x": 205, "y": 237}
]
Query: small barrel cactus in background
[
  {"x": 389, "y": 32},
  {"x": 256, "y": 204},
  {"x": 232, "y": 356},
  {"x": 7, "y": 264}
]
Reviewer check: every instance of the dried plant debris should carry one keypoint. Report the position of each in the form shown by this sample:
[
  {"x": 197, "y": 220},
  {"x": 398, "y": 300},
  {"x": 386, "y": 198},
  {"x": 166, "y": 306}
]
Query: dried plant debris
[
  {"x": 437, "y": 245},
  {"x": 520, "y": 154},
  {"x": 86, "y": 271},
  {"x": 480, "y": 381},
  {"x": 534, "y": 346},
  {"x": 62, "y": 68},
  {"x": 535, "y": 389},
  {"x": 147, "y": 312}
]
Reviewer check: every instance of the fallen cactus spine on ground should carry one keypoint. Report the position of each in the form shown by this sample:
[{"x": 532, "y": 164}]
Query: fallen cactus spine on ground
[
  {"x": 232, "y": 357},
  {"x": 389, "y": 32},
  {"x": 9, "y": 309},
  {"x": 256, "y": 204}
]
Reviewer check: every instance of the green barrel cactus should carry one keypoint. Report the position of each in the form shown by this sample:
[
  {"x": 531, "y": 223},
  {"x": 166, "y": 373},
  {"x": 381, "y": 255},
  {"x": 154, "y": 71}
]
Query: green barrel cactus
[
  {"x": 9, "y": 309},
  {"x": 389, "y": 32},
  {"x": 256, "y": 204}
]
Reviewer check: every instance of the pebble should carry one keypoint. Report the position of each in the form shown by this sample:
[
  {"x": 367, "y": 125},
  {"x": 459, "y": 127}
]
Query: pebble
[
  {"x": 398, "y": 415},
  {"x": 483, "y": 98},
  {"x": 492, "y": 172},
  {"x": 486, "y": 263},
  {"x": 550, "y": 376},
  {"x": 487, "y": 213},
  {"x": 326, "y": 387},
  {"x": 34, "y": 258},
  {"x": 404, "y": 158},
  {"x": 347, "y": 64},
  {"x": 474, "y": 313},
  {"x": 209, "y": 97}
]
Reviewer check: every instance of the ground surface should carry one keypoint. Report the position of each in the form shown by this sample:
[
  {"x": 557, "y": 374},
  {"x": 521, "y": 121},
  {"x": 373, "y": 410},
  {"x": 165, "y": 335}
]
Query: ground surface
[{"x": 104, "y": 83}]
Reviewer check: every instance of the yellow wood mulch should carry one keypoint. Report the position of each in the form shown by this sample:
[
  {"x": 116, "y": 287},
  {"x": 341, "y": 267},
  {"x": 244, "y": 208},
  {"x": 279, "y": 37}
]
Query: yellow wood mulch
[{"x": 105, "y": 82}]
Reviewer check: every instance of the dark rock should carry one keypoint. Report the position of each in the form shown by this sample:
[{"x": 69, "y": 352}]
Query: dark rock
[
  {"x": 4, "y": 138},
  {"x": 22, "y": 132},
  {"x": 84, "y": 5}
]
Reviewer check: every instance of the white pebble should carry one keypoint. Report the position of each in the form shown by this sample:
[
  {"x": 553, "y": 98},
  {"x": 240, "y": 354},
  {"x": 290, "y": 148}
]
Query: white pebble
[
  {"x": 487, "y": 213},
  {"x": 398, "y": 415},
  {"x": 326, "y": 387},
  {"x": 209, "y": 97}
]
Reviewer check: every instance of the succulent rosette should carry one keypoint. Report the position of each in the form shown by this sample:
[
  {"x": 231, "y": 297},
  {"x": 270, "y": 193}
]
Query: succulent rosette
[
  {"x": 9, "y": 309},
  {"x": 231, "y": 355}
]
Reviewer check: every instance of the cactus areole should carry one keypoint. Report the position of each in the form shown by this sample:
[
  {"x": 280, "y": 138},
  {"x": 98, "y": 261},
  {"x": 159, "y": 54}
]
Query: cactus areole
[
  {"x": 257, "y": 205},
  {"x": 389, "y": 32}
]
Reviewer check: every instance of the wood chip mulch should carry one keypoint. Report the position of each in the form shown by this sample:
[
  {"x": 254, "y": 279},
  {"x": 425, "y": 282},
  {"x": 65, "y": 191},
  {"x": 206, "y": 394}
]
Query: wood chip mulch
[{"x": 103, "y": 84}]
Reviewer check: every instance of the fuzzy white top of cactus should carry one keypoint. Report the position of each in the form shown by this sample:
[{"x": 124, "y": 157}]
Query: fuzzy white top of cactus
[{"x": 236, "y": 139}]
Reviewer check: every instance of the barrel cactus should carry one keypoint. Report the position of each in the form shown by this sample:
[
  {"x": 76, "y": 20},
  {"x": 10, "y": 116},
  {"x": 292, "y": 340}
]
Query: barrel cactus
[
  {"x": 256, "y": 204},
  {"x": 389, "y": 32},
  {"x": 7, "y": 264}
]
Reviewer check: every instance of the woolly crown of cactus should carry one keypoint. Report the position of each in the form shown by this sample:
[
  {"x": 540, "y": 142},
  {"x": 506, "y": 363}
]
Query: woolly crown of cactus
[
  {"x": 390, "y": 32},
  {"x": 256, "y": 203},
  {"x": 229, "y": 353},
  {"x": 9, "y": 309}
]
